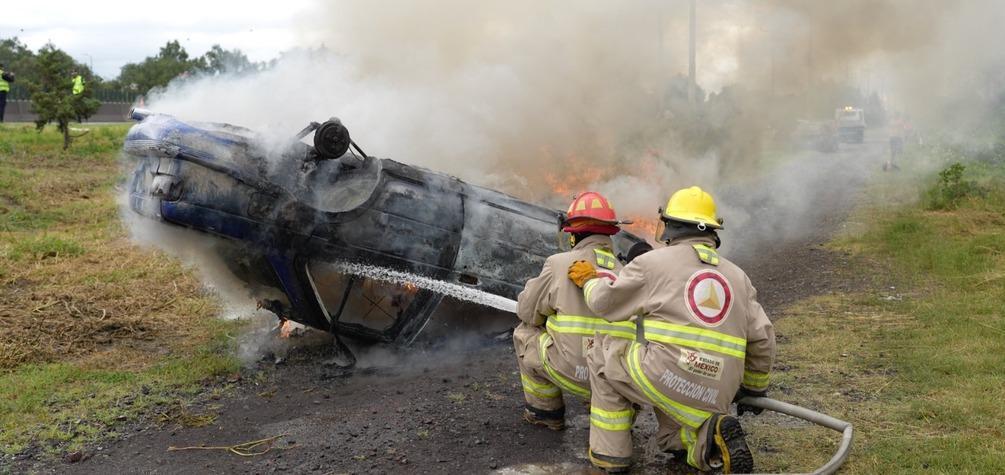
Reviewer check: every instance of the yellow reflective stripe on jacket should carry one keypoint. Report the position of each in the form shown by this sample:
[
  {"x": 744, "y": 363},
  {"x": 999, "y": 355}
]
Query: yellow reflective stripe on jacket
[
  {"x": 706, "y": 254},
  {"x": 588, "y": 288},
  {"x": 756, "y": 380},
  {"x": 605, "y": 258},
  {"x": 543, "y": 391},
  {"x": 589, "y": 325},
  {"x": 611, "y": 420},
  {"x": 692, "y": 337},
  {"x": 685, "y": 415},
  {"x": 560, "y": 380}
]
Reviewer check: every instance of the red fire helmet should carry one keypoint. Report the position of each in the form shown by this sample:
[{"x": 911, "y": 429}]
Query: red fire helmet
[{"x": 591, "y": 212}]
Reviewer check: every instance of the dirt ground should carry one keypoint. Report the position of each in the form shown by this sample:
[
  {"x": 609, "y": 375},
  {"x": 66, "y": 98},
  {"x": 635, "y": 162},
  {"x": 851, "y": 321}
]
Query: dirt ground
[{"x": 446, "y": 408}]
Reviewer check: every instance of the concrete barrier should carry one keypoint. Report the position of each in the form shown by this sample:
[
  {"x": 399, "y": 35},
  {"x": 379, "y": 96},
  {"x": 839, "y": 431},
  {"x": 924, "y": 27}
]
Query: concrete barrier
[{"x": 21, "y": 111}]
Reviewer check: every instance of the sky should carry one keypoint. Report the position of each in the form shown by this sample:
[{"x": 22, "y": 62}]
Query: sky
[{"x": 109, "y": 34}]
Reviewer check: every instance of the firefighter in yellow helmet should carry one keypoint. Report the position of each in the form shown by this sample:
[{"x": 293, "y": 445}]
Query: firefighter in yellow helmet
[
  {"x": 706, "y": 342},
  {"x": 556, "y": 328}
]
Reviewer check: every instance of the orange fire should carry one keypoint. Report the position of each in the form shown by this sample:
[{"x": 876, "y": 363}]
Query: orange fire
[
  {"x": 644, "y": 227},
  {"x": 285, "y": 329},
  {"x": 575, "y": 176},
  {"x": 289, "y": 328}
]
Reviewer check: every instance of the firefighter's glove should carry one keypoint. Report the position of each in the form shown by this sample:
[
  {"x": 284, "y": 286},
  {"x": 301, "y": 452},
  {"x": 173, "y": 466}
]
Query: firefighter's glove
[
  {"x": 582, "y": 271},
  {"x": 742, "y": 409}
]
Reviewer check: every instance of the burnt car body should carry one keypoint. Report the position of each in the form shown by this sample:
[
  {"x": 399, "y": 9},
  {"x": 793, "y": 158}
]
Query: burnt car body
[{"x": 291, "y": 211}]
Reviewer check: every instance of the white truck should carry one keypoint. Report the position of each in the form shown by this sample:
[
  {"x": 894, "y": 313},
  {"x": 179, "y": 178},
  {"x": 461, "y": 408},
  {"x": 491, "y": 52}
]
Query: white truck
[{"x": 850, "y": 123}]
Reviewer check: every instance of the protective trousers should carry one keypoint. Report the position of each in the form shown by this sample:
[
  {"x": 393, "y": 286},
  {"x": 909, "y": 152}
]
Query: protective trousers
[
  {"x": 542, "y": 395},
  {"x": 616, "y": 385}
]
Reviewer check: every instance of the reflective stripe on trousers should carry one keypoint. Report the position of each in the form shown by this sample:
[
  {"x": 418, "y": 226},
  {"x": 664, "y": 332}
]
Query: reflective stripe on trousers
[
  {"x": 685, "y": 415},
  {"x": 688, "y": 437},
  {"x": 698, "y": 338},
  {"x": 615, "y": 421},
  {"x": 560, "y": 380},
  {"x": 755, "y": 380},
  {"x": 540, "y": 390}
]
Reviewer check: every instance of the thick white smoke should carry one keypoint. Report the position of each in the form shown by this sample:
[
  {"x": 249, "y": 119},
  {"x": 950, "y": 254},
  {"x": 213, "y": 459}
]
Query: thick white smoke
[{"x": 542, "y": 99}]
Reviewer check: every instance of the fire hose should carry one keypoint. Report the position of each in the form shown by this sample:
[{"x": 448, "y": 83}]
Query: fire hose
[{"x": 817, "y": 418}]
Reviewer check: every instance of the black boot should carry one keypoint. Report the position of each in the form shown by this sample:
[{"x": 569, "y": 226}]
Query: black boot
[
  {"x": 727, "y": 447},
  {"x": 608, "y": 463},
  {"x": 554, "y": 420}
]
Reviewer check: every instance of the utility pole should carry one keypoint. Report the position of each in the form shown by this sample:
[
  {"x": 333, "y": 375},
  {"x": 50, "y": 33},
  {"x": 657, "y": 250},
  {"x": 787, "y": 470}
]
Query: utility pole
[{"x": 691, "y": 81}]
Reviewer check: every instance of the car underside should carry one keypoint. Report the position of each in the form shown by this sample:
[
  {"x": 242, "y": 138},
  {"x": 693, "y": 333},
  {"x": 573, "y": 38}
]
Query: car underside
[{"x": 291, "y": 217}]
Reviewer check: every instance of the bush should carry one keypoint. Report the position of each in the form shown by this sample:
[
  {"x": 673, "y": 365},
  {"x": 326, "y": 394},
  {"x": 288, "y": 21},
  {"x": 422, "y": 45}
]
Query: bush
[{"x": 951, "y": 189}]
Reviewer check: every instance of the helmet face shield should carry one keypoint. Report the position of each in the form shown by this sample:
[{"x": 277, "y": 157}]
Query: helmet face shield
[{"x": 661, "y": 227}]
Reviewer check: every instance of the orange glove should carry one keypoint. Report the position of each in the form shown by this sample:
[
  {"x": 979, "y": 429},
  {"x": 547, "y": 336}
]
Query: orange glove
[{"x": 581, "y": 271}]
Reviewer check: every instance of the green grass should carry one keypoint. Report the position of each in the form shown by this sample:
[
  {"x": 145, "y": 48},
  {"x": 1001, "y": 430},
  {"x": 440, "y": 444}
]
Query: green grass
[
  {"x": 919, "y": 369},
  {"x": 97, "y": 332},
  {"x": 63, "y": 405},
  {"x": 45, "y": 247}
]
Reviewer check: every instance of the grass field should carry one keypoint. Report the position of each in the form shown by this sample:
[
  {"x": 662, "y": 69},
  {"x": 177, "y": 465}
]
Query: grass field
[
  {"x": 918, "y": 366},
  {"x": 99, "y": 333},
  {"x": 96, "y": 330}
]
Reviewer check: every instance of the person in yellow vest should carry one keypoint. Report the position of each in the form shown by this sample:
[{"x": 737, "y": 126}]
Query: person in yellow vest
[
  {"x": 78, "y": 84},
  {"x": 556, "y": 328},
  {"x": 707, "y": 342},
  {"x": 5, "y": 76}
]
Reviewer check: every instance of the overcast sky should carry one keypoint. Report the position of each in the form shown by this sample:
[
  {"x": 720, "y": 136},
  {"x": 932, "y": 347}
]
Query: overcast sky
[{"x": 108, "y": 34}]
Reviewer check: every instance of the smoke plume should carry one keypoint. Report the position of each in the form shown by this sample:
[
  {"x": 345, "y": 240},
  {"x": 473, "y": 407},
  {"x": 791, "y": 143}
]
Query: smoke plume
[{"x": 543, "y": 99}]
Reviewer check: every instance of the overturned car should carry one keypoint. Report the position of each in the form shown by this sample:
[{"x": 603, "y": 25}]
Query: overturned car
[{"x": 295, "y": 214}]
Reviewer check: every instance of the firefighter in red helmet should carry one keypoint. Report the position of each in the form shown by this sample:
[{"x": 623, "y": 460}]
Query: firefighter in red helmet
[{"x": 557, "y": 328}]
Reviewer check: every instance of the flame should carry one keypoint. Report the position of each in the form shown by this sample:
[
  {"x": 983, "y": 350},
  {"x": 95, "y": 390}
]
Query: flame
[
  {"x": 576, "y": 175},
  {"x": 289, "y": 329},
  {"x": 644, "y": 227},
  {"x": 285, "y": 329}
]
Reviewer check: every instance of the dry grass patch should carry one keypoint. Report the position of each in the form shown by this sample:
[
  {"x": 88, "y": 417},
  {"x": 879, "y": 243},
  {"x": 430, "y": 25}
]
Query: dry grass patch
[
  {"x": 114, "y": 295},
  {"x": 832, "y": 359},
  {"x": 96, "y": 330}
]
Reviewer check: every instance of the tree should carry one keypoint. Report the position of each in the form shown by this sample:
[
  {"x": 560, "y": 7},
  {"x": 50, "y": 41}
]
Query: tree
[
  {"x": 52, "y": 95},
  {"x": 157, "y": 71},
  {"x": 17, "y": 58},
  {"x": 220, "y": 61}
]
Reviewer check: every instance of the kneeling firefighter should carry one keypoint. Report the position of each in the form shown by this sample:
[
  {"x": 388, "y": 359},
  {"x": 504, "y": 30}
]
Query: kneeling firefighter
[
  {"x": 707, "y": 342},
  {"x": 557, "y": 329}
]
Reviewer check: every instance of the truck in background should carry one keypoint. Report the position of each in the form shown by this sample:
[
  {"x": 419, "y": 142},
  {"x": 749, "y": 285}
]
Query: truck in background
[{"x": 850, "y": 123}]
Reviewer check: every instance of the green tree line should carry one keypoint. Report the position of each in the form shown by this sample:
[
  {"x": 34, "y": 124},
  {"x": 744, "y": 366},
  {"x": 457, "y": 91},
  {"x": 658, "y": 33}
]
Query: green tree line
[
  {"x": 47, "y": 78},
  {"x": 134, "y": 79}
]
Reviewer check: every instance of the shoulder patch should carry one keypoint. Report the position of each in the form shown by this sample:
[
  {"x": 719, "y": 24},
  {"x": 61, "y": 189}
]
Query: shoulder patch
[
  {"x": 709, "y": 297},
  {"x": 706, "y": 254},
  {"x": 605, "y": 258}
]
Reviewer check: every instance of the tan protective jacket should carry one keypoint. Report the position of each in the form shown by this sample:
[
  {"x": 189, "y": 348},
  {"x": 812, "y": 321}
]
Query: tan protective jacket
[
  {"x": 706, "y": 332},
  {"x": 554, "y": 301}
]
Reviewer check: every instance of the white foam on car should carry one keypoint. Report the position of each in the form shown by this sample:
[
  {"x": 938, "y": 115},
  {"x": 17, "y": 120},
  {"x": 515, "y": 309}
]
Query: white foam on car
[{"x": 457, "y": 291}]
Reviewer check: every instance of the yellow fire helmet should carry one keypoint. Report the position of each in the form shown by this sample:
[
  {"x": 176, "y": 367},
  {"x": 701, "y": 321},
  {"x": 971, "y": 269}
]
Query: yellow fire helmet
[{"x": 692, "y": 205}]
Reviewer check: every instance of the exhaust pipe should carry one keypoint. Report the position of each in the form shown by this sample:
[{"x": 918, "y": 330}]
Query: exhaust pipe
[{"x": 138, "y": 113}]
